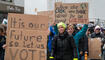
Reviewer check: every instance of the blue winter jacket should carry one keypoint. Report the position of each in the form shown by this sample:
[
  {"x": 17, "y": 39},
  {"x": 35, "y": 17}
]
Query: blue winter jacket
[{"x": 50, "y": 38}]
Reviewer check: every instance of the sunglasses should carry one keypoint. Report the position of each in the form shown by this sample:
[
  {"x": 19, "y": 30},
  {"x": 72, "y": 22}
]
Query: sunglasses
[{"x": 97, "y": 29}]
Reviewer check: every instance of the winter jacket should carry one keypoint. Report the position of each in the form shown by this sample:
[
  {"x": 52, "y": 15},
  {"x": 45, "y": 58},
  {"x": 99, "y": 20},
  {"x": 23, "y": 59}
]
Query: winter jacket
[
  {"x": 79, "y": 35},
  {"x": 2, "y": 42},
  {"x": 94, "y": 35},
  {"x": 2, "y": 51},
  {"x": 63, "y": 47},
  {"x": 56, "y": 29},
  {"x": 50, "y": 38},
  {"x": 83, "y": 44}
]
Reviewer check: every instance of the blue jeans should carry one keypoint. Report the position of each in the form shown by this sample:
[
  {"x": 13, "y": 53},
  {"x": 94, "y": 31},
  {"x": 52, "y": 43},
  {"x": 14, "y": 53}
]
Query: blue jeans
[{"x": 82, "y": 58}]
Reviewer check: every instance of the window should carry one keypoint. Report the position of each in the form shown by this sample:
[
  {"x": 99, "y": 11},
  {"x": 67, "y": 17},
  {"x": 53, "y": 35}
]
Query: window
[
  {"x": 7, "y": 0},
  {"x": 3, "y": 0}
]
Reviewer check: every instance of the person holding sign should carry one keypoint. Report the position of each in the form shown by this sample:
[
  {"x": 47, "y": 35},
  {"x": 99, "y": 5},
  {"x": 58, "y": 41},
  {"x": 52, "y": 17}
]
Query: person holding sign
[
  {"x": 2, "y": 43},
  {"x": 97, "y": 33},
  {"x": 77, "y": 35},
  {"x": 50, "y": 39},
  {"x": 103, "y": 45},
  {"x": 63, "y": 46}
]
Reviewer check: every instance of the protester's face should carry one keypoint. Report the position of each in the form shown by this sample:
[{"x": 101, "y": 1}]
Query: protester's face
[
  {"x": 97, "y": 31},
  {"x": 70, "y": 30},
  {"x": 61, "y": 29}
]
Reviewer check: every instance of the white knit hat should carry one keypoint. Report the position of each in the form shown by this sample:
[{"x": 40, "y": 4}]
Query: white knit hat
[{"x": 97, "y": 27}]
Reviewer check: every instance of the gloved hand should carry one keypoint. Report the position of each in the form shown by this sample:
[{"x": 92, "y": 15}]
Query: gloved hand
[
  {"x": 75, "y": 58},
  {"x": 51, "y": 58}
]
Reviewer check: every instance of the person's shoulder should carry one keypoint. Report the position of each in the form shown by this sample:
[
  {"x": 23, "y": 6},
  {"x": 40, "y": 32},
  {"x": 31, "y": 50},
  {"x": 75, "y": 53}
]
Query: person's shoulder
[{"x": 102, "y": 35}]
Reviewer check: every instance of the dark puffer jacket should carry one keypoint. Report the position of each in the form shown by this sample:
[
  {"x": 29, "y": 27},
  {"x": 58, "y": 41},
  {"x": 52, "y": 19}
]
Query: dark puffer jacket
[
  {"x": 83, "y": 44},
  {"x": 2, "y": 51},
  {"x": 63, "y": 47},
  {"x": 98, "y": 35},
  {"x": 2, "y": 42}
]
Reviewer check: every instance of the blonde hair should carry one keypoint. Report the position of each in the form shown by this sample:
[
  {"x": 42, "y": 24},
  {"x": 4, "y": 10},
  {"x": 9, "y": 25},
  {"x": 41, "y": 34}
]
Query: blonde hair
[
  {"x": 62, "y": 24},
  {"x": 70, "y": 26}
]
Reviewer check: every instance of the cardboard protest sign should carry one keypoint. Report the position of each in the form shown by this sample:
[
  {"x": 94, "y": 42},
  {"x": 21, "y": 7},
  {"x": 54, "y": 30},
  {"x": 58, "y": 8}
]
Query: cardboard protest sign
[
  {"x": 48, "y": 13},
  {"x": 26, "y": 37},
  {"x": 94, "y": 48},
  {"x": 71, "y": 13}
]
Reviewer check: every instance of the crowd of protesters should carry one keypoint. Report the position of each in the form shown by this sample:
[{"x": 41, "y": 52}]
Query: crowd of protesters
[
  {"x": 65, "y": 41},
  {"x": 70, "y": 41}
]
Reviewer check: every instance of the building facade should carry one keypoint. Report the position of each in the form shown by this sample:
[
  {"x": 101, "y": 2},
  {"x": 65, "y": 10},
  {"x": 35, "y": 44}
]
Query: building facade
[
  {"x": 34, "y": 6},
  {"x": 10, "y": 6}
]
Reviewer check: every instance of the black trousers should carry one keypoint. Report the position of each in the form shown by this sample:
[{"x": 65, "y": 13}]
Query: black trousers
[{"x": 2, "y": 56}]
